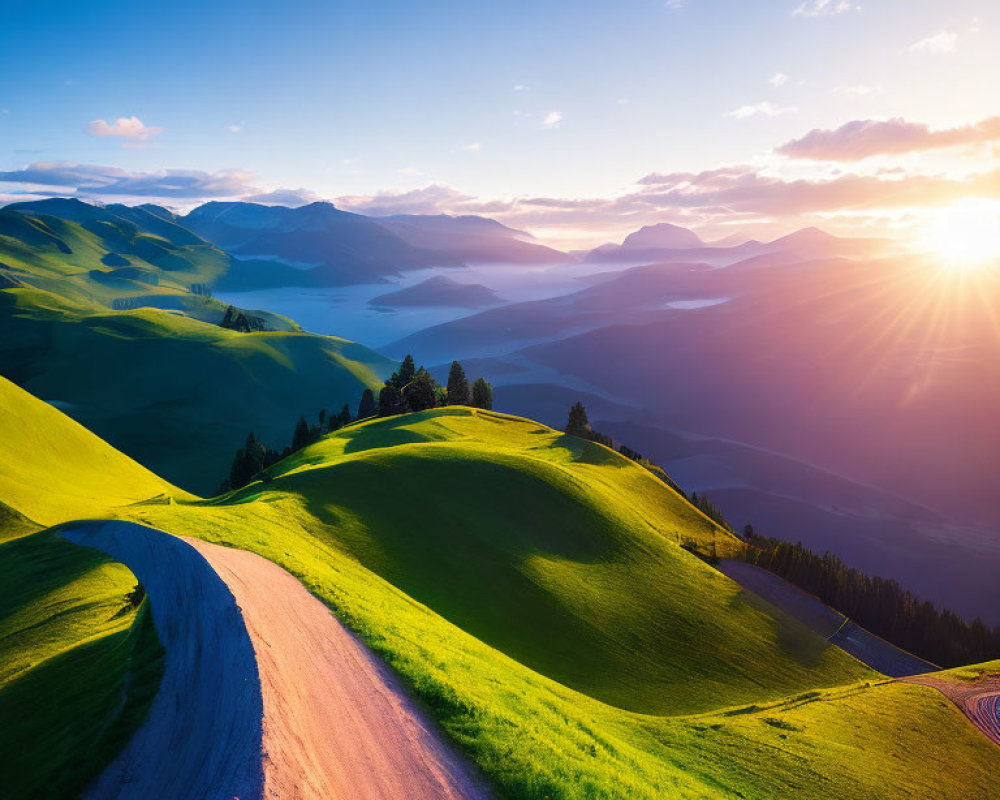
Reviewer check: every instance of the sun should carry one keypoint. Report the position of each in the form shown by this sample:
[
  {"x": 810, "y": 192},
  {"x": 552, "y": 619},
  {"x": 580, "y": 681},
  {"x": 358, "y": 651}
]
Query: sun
[{"x": 966, "y": 234}]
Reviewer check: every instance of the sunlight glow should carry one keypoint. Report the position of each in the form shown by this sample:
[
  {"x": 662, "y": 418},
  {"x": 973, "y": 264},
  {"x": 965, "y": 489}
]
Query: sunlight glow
[{"x": 967, "y": 234}]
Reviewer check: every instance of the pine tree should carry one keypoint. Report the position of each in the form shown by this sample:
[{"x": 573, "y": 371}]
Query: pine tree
[
  {"x": 390, "y": 401},
  {"x": 458, "y": 386},
  {"x": 302, "y": 436},
  {"x": 367, "y": 407},
  {"x": 405, "y": 374},
  {"x": 482, "y": 394},
  {"x": 578, "y": 424},
  {"x": 344, "y": 417}
]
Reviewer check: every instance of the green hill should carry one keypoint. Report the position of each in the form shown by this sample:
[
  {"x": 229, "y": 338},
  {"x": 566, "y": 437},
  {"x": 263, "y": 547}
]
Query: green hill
[
  {"x": 532, "y": 589},
  {"x": 101, "y": 312},
  {"x": 53, "y": 469},
  {"x": 525, "y": 538},
  {"x": 79, "y": 662},
  {"x": 550, "y": 602}
]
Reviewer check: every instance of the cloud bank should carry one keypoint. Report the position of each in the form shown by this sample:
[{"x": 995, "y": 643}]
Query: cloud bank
[{"x": 864, "y": 138}]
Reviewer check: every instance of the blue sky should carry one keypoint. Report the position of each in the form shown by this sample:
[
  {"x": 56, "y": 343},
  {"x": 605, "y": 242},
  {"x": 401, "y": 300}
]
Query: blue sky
[{"x": 495, "y": 101}]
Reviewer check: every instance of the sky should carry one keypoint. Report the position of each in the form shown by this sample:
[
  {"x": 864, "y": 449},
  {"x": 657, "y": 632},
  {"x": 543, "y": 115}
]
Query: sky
[{"x": 577, "y": 121}]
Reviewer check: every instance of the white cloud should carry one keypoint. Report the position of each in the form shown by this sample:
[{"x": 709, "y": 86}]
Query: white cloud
[
  {"x": 939, "y": 44},
  {"x": 623, "y": 101},
  {"x": 473, "y": 147},
  {"x": 552, "y": 119},
  {"x": 673, "y": 5},
  {"x": 764, "y": 109},
  {"x": 825, "y": 8},
  {"x": 778, "y": 79},
  {"x": 104, "y": 180},
  {"x": 131, "y": 128},
  {"x": 520, "y": 87},
  {"x": 234, "y": 128}
]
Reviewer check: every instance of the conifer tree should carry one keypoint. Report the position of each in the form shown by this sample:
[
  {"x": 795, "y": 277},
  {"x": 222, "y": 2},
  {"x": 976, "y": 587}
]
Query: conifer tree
[
  {"x": 578, "y": 424},
  {"x": 302, "y": 436},
  {"x": 390, "y": 401},
  {"x": 482, "y": 394},
  {"x": 367, "y": 407},
  {"x": 458, "y": 386}
]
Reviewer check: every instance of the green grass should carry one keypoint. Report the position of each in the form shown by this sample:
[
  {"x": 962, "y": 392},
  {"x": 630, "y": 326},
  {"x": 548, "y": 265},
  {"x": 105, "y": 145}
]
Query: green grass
[
  {"x": 533, "y": 592},
  {"x": 163, "y": 383},
  {"x": 53, "y": 469},
  {"x": 572, "y": 609},
  {"x": 176, "y": 394},
  {"x": 78, "y": 666},
  {"x": 525, "y": 538}
]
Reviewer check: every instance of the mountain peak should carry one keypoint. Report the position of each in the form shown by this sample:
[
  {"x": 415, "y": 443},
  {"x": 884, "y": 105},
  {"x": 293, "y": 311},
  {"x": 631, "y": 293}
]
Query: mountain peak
[{"x": 663, "y": 235}]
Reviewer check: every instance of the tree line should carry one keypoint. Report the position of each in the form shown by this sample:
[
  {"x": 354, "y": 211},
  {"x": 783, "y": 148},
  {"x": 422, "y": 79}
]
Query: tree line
[
  {"x": 414, "y": 389},
  {"x": 408, "y": 389},
  {"x": 879, "y": 604}
]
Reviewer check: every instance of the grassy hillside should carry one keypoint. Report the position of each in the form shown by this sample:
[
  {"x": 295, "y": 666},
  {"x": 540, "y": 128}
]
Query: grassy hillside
[
  {"x": 79, "y": 289},
  {"x": 176, "y": 394},
  {"x": 79, "y": 663},
  {"x": 559, "y": 552},
  {"x": 53, "y": 469},
  {"x": 531, "y": 590}
]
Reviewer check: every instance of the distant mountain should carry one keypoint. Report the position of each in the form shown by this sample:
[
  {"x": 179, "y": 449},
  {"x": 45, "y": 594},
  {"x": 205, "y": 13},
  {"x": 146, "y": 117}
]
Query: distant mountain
[
  {"x": 109, "y": 221},
  {"x": 329, "y": 247},
  {"x": 664, "y": 235},
  {"x": 665, "y": 242},
  {"x": 471, "y": 238},
  {"x": 440, "y": 291}
]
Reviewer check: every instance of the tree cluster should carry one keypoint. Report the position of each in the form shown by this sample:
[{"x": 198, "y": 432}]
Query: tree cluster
[
  {"x": 879, "y": 604},
  {"x": 409, "y": 389},
  {"x": 412, "y": 388},
  {"x": 253, "y": 458},
  {"x": 237, "y": 320}
]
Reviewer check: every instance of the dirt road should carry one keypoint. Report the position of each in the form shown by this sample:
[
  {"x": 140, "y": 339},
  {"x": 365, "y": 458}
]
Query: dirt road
[{"x": 265, "y": 694}]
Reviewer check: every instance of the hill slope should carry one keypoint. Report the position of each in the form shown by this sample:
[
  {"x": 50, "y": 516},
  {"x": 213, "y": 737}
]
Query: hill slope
[
  {"x": 412, "y": 529},
  {"x": 79, "y": 662},
  {"x": 53, "y": 469},
  {"x": 175, "y": 393},
  {"x": 516, "y": 578}
]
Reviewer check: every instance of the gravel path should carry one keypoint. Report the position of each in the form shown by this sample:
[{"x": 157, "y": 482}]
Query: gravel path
[{"x": 265, "y": 694}]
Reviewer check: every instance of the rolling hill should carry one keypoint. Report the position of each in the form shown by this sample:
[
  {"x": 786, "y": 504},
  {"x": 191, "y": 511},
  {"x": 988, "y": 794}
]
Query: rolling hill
[
  {"x": 136, "y": 352},
  {"x": 833, "y": 400},
  {"x": 53, "y": 469},
  {"x": 536, "y": 591}
]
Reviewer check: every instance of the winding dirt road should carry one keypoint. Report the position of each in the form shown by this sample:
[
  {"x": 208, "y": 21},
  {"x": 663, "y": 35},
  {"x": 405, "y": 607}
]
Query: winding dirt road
[{"x": 265, "y": 694}]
